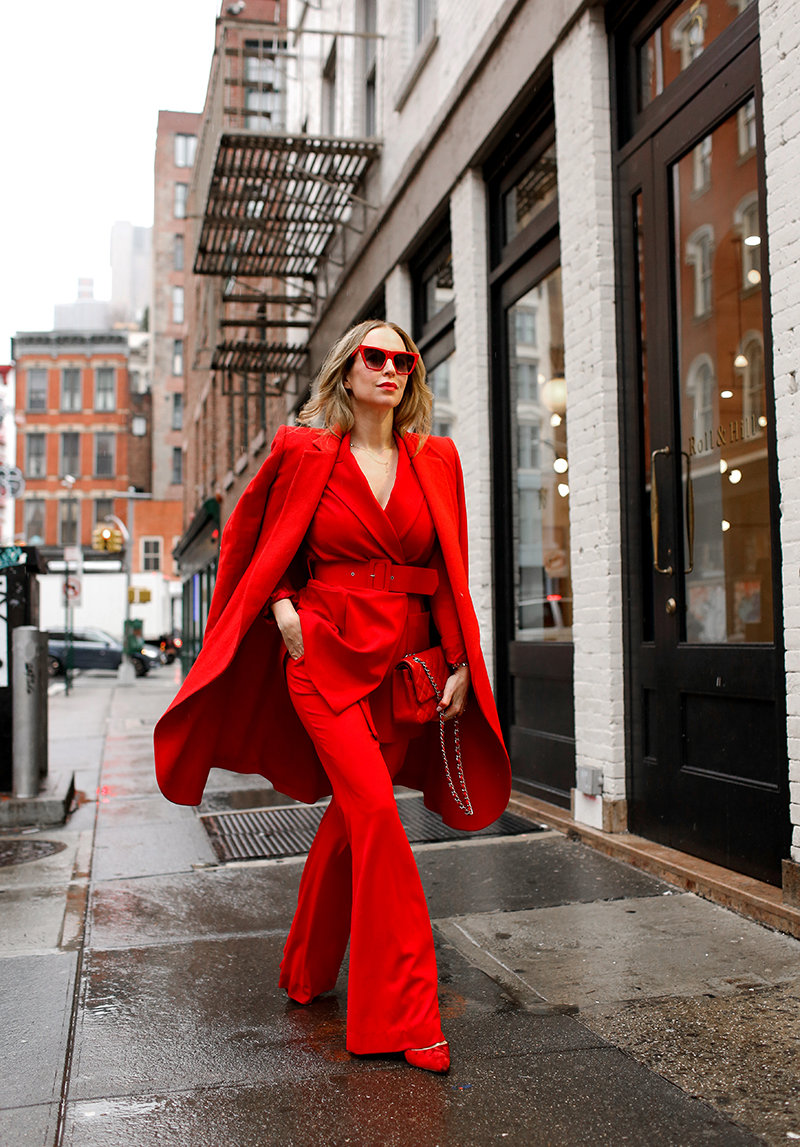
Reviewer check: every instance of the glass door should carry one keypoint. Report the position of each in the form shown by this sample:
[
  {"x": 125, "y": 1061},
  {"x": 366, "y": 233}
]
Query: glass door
[{"x": 707, "y": 695}]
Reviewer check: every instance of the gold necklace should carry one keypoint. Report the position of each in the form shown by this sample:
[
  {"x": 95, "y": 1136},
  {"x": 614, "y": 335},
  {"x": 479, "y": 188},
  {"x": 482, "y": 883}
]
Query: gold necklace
[{"x": 380, "y": 461}]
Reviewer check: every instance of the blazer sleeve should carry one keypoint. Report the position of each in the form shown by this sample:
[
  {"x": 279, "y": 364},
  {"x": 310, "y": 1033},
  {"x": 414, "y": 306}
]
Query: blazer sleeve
[{"x": 445, "y": 613}]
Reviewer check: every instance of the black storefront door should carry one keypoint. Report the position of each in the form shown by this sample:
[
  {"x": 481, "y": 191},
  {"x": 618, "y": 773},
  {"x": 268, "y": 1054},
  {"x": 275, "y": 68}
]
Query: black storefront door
[{"x": 706, "y": 689}]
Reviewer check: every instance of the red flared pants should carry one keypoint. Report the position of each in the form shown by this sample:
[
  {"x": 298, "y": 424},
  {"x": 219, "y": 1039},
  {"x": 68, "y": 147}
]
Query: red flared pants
[{"x": 361, "y": 881}]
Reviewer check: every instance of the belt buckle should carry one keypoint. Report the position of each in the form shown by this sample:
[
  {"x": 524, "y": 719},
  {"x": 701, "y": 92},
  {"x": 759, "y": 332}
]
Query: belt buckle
[{"x": 379, "y": 571}]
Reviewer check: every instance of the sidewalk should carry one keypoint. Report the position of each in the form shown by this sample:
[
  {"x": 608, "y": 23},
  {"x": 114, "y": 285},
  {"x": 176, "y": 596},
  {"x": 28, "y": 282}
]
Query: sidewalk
[{"x": 586, "y": 1002}]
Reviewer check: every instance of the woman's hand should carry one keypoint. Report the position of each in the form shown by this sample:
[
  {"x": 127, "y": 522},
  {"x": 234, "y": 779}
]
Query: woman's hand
[
  {"x": 288, "y": 621},
  {"x": 454, "y": 696}
]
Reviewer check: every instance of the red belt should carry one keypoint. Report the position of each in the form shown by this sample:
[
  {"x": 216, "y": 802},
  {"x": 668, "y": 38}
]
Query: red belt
[{"x": 377, "y": 574}]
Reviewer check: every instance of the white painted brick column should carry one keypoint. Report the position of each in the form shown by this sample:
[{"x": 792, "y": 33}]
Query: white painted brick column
[
  {"x": 469, "y": 381},
  {"x": 780, "y": 51},
  {"x": 397, "y": 289},
  {"x": 583, "y": 151}
]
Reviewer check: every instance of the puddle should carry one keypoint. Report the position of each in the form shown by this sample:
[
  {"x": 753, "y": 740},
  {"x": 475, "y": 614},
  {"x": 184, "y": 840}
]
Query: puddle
[{"x": 23, "y": 851}]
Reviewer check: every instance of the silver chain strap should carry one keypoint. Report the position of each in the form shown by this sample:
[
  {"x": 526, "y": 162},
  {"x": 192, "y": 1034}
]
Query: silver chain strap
[{"x": 466, "y": 804}]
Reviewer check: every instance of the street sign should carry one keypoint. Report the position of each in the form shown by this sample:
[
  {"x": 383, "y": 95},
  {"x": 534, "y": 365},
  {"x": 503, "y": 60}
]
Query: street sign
[
  {"x": 72, "y": 590},
  {"x": 138, "y": 596}
]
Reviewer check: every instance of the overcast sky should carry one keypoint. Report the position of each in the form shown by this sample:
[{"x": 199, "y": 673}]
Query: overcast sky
[{"x": 81, "y": 85}]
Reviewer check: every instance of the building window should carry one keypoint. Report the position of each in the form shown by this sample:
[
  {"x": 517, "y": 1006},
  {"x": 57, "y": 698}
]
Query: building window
[
  {"x": 104, "y": 455},
  {"x": 177, "y": 357},
  {"x": 179, "y": 207},
  {"x": 746, "y": 122},
  {"x": 688, "y": 35},
  {"x": 68, "y": 522},
  {"x": 177, "y": 252},
  {"x": 701, "y": 387},
  {"x": 370, "y": 69},
  {"x": 699, "y": 256},
  {"x": 425, "y": 13},
  {"x": 104, "y": 396},
  {"x": 34, "y": 521},
  {"x": 177, "y": 304},
  {"x": 103, "y": 508},
  {"x": 151, "y": 554},
  {"x": 177, "y": 465},
  {"x": 530, "y": 194},
  {"x": 177, "y": 411},
  {"x": 263, "y": 92},
  {"x": 525, "y": 319},
  {"x": 702, "y": 165},
  {"x": 70, "y": 453},
  {"x": 439, "y": 381},
  {"x": 753, "y": 397},
  {"x": 329, "y": 94},
  {"x": 71, "y": 388},
  {"x": 37, "y": 389},
  {"x": 35, "y": 460},
  {"x": 185, "y": 149}
]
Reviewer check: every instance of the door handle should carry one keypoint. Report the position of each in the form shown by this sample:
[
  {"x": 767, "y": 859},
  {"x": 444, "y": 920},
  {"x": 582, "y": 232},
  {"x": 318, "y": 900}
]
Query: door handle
[
  {"x": 665, "y": 450},
  {"x": 689, "y": 511}
]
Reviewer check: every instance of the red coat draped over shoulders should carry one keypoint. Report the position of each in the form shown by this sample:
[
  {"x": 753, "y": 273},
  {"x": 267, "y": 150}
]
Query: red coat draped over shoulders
[{"x": 233, "y": 711}]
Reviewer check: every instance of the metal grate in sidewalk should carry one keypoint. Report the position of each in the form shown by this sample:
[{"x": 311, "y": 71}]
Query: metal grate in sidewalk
[{"x": 274, "y": 832}]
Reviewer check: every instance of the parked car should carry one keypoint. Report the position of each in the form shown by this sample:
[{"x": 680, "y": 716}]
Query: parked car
[
  {"x": 96, "y": 649},
  {"x": 170, "y": 645}
]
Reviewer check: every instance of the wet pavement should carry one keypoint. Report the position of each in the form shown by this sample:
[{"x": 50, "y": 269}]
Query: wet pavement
[{"x": 586, "y": 1002}]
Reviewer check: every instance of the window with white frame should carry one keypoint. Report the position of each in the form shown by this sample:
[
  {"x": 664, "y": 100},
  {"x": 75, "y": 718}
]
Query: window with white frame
[
  {"x": 700, "y": 386},
  {"x": 104, "y": 455},
  {"x": 71, "y": 388},
  {"x": 37, "y": 389},
  {"x": 263, "y": 84},
  {"x": 104, "y": 389},
  {"x": 68, "y": 516},
  {"x": 177, "y": 252},
  {"x": 746, "y": 124},
  {"x": 425, "y": 13},
  {"x": 34, "y": 521},
  {"x": 753, "y": 397},
  {"x": 688, "y": 34},
  {"x": 701, "y": 156},
  {"x": 185, "y": 149},
  {"x": 35, "y": 459},
  {"x": 746, "y": 216},
  {"x": 177, "y": 357},
  {"x": 177, "y": 465},
  {"x": 70, "y": 453},
  {"x": 179, "y": 202},
  {"x": 177, "y": 304},
  {"x": 151, "y": 554},
  {"x": 700, "y": 256}
]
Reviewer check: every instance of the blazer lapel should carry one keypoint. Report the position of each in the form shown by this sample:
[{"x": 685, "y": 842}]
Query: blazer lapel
[{"x": 352, "y": 488}]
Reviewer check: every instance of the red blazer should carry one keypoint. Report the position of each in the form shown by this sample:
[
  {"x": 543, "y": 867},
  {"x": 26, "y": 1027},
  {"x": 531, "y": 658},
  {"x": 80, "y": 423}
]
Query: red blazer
[{"x": 233, "y": 711}]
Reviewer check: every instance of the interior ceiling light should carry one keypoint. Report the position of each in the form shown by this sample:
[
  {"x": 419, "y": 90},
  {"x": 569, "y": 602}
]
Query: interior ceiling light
[
  {"x": 563, "y": 489},
  {"x": 723, "y": 466},
  {"x": 752, "y": 240},
  {"x": 561, "y": 465},
  {"x": 555, "y": 419},
  {"x": 754, "y": 277},
  {"x": 762, "y": 420},
  {"x": 735, "y": 476},
  {"x": 725, "y": 526},
  {"x": 740, "y": 362},
  {"x": 726, "y": 394}
]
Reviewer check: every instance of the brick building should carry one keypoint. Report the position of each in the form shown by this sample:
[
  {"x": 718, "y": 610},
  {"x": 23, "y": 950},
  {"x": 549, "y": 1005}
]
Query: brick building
[{"x": 586, "y": 216}]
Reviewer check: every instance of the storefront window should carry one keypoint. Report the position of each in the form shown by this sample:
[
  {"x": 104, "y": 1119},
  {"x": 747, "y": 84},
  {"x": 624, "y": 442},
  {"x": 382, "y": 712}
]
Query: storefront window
[
  {"x": 530, "y": 194},
  {"x": 679, "y": 40},
  {"x": 724, "y": 416},
  {"x": 543, "y": 585}
]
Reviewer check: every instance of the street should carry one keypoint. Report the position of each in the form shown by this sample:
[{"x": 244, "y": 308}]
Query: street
[{"x": 585, "y": 1001}]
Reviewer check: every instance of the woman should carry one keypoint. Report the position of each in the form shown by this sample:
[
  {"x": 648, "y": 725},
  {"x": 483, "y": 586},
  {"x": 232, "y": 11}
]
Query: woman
[{"x": 330, "y": 563}]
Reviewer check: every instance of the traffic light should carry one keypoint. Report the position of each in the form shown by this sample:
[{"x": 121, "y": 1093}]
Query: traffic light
[{"x": 107, "y": 538}]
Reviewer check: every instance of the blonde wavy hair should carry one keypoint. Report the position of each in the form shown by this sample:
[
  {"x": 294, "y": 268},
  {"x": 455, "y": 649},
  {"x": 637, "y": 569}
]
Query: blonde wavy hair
[{"x": 330, "y": 402}]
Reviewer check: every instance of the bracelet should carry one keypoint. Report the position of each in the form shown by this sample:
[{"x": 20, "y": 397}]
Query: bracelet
[{"x": 460, "y": 665}]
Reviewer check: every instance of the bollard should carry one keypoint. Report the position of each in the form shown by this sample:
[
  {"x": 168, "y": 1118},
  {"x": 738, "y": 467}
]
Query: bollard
[{"x": 29, "y": 709}]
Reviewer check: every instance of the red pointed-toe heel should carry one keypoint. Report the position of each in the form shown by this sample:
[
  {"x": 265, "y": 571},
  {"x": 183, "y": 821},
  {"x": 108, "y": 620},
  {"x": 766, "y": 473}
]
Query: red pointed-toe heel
[{"x": 436, "y": 1058}]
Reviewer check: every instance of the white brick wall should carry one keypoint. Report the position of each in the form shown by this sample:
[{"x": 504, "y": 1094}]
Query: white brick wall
[
  {"x": 780, "y": 50},
  {"x": 470, "y": 386},
  {"x": 583, "y": 147}
]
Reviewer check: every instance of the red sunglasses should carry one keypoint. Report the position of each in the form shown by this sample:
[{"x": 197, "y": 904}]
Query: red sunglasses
[{"x": 374, "y": 358}]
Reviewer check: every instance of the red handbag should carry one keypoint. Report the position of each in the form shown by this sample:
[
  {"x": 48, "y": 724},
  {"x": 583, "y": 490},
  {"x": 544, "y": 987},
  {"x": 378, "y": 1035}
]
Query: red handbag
[{"x": 417, "y": 686}]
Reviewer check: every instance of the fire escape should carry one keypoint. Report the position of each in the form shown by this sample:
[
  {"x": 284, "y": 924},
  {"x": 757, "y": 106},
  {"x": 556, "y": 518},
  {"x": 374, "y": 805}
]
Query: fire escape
[{"x": 270, "y": 211}]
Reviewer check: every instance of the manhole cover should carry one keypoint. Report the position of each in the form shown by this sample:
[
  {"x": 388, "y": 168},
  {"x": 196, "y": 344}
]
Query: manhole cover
[
  {"x": 273, "y": 832},
  {"x": 22, "y": 851}
]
